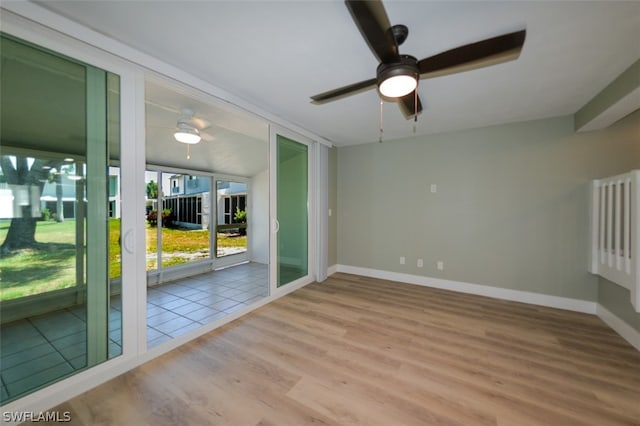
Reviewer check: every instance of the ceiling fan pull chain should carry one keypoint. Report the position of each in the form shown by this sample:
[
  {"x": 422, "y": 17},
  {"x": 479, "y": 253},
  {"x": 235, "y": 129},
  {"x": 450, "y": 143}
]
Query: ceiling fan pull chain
[
  {"x": 381, "y": 110},
  {"x": 415, "y": 109},
  {"x": 188, "y": 152}
]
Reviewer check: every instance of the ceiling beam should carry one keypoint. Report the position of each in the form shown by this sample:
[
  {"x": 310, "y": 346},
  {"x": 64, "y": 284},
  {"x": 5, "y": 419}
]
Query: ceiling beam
[{"x": 619, "y": 99}]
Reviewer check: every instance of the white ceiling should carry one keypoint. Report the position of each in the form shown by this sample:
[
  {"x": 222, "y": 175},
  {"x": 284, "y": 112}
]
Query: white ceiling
[
  {"x": 275, "y": 54},
  {"x": 234, "y": 143}
]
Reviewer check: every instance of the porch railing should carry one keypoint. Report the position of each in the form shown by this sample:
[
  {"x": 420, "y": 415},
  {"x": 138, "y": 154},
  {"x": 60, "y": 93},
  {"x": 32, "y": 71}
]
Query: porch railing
[{"x": 615, "y": 233}]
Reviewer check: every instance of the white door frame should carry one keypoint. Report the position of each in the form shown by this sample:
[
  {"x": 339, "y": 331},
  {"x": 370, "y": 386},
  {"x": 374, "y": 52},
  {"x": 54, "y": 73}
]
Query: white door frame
[{"x": 274, "y": 131}]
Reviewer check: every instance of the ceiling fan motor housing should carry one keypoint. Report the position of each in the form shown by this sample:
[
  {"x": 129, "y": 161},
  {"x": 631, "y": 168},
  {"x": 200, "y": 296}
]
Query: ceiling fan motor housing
[
  {"x": 185, "y": 123},
  {"x": 400, "y": 33},
  {"x": 407, "y": 66}
]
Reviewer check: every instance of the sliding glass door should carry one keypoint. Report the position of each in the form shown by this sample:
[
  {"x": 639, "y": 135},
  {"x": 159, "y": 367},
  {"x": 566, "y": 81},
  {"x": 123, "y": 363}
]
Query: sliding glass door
[
  {"x": 290, "y": 212},
  {"x": 59, "y": 120},
  {"x": 183, "y": 208}
]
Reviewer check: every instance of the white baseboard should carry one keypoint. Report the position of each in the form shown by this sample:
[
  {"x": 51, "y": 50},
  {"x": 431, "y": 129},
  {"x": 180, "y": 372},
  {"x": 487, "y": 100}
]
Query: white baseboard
[
  {"x": 332, "y": 270},
  {"x": 629, "y": 333},
  {"x": 478, "y": 289}
]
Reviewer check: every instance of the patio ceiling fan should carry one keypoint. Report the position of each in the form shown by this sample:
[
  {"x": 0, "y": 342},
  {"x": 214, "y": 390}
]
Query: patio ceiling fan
[
  {"x": 397, "y": 75},
  {"x": 187, "y": 121},
  {"x": 189, "y": 128}
]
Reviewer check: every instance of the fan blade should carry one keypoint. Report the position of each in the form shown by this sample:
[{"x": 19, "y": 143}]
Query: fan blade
[
  {"x": 341, "y": 92},
  {"x": 408, "y": 106},
  {"x": 207, "y": 137},
  {"x": 481, "y": 54},
  {"x": 200, "y": 123},
  {"x": 373, "y": 23}
]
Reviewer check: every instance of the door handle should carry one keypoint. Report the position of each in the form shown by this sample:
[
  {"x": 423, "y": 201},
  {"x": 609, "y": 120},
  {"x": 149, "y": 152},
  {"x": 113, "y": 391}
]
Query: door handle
[
  {"x": 276, "y": 226},
  {"x": 128, "y": 241}
]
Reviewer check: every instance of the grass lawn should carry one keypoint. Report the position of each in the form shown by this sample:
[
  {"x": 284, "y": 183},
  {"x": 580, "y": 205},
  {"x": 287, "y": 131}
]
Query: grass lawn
[
  {"x": 35, "y": 271},
  {"x": 182, "y": 246},
  {"x": 30, "y": 272}
]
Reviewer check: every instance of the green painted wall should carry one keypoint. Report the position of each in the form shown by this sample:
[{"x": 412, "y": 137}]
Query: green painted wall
[
  {"x": 511, "y": 208},
  {"x": 624, "y": 85},
  {"x": 616, "y": 300}
]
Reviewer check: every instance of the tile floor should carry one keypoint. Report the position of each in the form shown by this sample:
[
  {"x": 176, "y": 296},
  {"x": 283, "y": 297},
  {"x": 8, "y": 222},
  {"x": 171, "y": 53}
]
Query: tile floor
[
  {"x": 176, "y": 308},
  {"x": 38, "y": 350}
]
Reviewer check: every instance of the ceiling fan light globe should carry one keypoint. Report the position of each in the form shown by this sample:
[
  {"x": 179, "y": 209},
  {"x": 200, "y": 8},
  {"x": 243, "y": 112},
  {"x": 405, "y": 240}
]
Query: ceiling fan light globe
[
  {"x": 399, "y": 78},
  {"x": 397, "y": 86},
  {"x": 187, "y": 136}
]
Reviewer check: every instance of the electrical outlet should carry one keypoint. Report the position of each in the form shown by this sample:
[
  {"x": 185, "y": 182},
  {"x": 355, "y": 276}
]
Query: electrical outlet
[
  {"x": 402, "y": 260},
  {"x": 330, "y": 212},
  {"x": 434, "y": 188},
  {"x": 440, "y": 265},
  {"x": 420, "y": 263}
]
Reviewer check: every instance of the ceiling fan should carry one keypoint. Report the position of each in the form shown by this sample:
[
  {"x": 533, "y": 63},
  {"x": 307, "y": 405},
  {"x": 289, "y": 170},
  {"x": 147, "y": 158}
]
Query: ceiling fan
[
  {"x": 187, "y": 119},
  {"x": 189, "y": 128},
  {"x": 397, "y": 75}
]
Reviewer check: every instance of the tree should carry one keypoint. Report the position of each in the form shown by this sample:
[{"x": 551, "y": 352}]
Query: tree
[
  {"x": 63, "y": 169},
  {"x": 152, "y": 190},
  {"x": 59, "y": 201},
  {"x": 27, "y": 174}
]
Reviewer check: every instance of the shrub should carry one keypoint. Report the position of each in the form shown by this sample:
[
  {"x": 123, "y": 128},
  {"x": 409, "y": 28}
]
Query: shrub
[
  {"x": 152, "y": 218},
  {"x": 241, "y": 217},
  {"x": 167, "y": 217}
]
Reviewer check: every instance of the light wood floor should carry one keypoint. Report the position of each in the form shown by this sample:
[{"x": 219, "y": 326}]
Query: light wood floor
[{"x": 356, "y": 350}]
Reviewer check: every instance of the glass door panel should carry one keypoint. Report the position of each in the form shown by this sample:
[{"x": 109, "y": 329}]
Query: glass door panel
[
  {"x": 54, "y": 230},
  {"x": 151, "y": 215},
  {"x": 231, "y": 227},
  {"x": 184, "y": 218},
  {"x": 114, "y": 216},
  {"x": 292, "y": 210}
]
